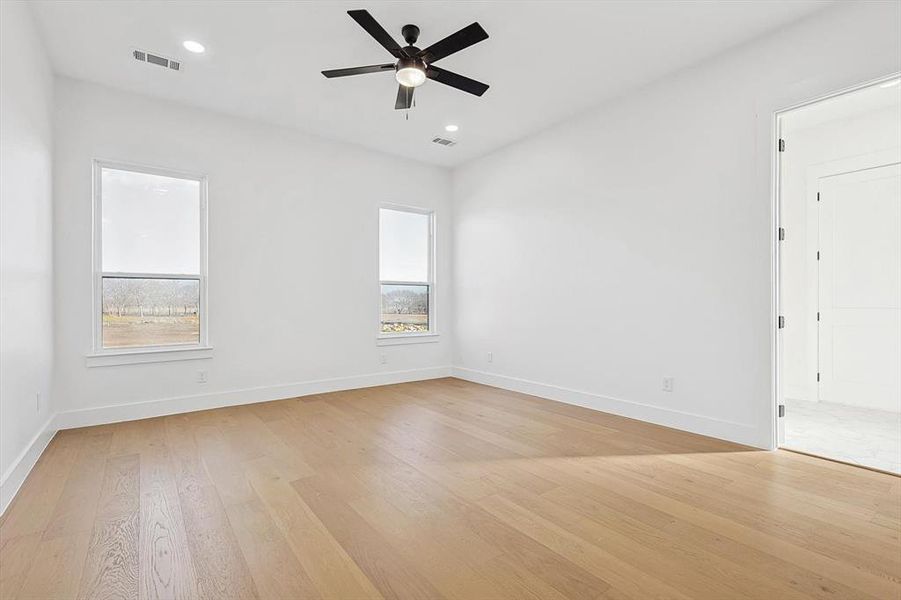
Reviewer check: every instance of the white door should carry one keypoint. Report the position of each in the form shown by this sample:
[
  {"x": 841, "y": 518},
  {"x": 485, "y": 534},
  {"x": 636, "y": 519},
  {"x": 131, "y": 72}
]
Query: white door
[{"x": 860, "y": 288}]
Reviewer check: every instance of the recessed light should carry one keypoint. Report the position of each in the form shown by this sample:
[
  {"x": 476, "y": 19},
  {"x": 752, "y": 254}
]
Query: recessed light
[
  {"x": 451, "y": 128},
  {"x": 891, "y": 83},
  {"x": 192, "y": 46}
]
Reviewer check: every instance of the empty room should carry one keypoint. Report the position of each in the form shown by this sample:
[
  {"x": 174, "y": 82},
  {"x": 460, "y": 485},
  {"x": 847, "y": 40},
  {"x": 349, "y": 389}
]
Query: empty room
[{"x": 450, "y": 300}]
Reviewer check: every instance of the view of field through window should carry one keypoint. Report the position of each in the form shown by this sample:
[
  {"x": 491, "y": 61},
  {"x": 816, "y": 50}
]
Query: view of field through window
[
  {"x": 150, "y": 232},
  {"x": 405, "y": 308},
  {"x": 404, "y": 270},
  {"x": 150, "y": 312}
]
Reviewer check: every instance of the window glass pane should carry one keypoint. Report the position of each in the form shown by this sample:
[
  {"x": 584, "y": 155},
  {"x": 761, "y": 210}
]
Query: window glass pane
[
  {"x": 405, "y": 308},
  {"x": 150, "y": 312},
  {"x": 403, "y": 246},
  {"x": 150, "y": 223}
]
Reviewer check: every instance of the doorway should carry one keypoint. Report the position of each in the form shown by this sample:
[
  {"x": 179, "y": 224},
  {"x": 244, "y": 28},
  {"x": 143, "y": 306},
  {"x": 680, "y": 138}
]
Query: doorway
[{"x": 840, "y": 277}]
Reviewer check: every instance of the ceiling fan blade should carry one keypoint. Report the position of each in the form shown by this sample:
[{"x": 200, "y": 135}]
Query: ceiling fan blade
[
  {"x": 404, "y": 97},
  {"x": 373, "y": 28},
  {"x": 456, "y": 81},
  {"x": 358, "y": 70},
  {"x": 466, "y": 37}
]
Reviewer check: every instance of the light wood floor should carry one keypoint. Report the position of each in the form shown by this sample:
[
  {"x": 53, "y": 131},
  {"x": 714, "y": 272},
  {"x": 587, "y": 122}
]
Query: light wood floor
[{"x": 440, "y": 489}]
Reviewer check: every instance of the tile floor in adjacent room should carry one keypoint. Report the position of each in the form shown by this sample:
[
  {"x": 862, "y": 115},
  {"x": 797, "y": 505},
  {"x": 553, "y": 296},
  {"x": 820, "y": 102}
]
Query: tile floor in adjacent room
[{"x": 863, "y": 436}]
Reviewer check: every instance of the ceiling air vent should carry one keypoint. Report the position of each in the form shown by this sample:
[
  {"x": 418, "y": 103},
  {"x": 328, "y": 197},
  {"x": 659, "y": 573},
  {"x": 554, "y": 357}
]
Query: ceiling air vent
[
  {"x": 156, "y": 59},
  {"x": 444, "y": 142}
]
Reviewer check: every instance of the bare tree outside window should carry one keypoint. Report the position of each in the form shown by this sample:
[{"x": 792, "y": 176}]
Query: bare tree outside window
[
  {"x": 150, "y": 312},
  {"x": 405, "y": 308}
]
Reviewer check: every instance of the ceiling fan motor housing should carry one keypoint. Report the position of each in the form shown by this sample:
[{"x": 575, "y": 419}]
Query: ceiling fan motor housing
[{"x": 410, "y": 33}]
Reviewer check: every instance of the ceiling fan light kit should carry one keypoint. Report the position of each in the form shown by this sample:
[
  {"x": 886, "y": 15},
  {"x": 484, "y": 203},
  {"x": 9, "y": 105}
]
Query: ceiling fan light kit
[
  {"x": 410, "y": 72},
  {"x": 414, "y": 66}
]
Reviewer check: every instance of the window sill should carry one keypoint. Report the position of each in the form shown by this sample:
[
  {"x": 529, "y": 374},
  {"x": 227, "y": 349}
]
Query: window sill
[
  {"x": 146, "y": 355},
  {"x": 408, "y": 338}
]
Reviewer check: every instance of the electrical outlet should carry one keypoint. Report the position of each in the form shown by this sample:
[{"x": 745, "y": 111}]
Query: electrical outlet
[
  {"x": 201, "y": 376},
  {"x": 490, "y": 357},
  {"x": 37, "y": 402},
  {"x": 668, "y": 384},
  {"x": 383, "y": 358}
]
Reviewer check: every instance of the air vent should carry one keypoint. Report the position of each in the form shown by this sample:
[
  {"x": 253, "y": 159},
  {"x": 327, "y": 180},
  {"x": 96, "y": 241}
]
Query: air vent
[
  {"x": 156, "y": 59},
  {"x": 443, "y": 141}
]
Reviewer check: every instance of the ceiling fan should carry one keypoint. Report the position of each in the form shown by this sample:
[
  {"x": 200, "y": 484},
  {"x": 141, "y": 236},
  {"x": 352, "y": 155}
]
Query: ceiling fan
[{"x": 413, "y": 65}]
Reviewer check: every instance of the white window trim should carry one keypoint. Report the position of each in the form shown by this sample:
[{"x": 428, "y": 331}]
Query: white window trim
[
  {"x": 101, "y": 356},
  {"x": 430, "y": 336}
]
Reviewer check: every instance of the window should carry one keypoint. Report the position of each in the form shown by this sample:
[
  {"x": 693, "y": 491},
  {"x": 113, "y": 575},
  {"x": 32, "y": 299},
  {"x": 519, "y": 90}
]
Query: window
[
  {"x": 405, "y": 272},
  {"x": 150, "y": 259}
]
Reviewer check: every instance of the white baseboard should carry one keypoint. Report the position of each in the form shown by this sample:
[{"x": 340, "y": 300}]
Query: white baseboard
[
  {"x": 182, "y": 404},
  {"x": 17, "y": 472},
  {"x": 694, "y": 423}
]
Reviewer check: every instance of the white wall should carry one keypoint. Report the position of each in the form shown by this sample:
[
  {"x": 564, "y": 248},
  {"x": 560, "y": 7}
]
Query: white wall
[
  {"x": 26, "y": 310},
  {"x": 293, "y": 258},
  {"x": 635, "y": 242},
  {"x": 865, "y": 136}
]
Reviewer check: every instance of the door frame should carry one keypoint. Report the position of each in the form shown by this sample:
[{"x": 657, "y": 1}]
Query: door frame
[{"x": 778, "y": 397}]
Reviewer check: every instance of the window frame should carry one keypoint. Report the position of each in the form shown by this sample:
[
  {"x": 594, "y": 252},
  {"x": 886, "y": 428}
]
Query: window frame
[
  {"x": 411, "y": 337},
  {"x": 149, "y": 353}
]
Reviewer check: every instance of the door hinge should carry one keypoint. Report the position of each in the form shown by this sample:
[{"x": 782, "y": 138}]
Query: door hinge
[
  {"x": 818, "y": 196},
  {"x": 781, "y": 145},
  {"x": 818, "y": 376},
  {"x": 782, "y": 234},
  {"x": 781, "y": 322},
  {"x": 818, "y": 255},
  {"x": 781, "y": 410},
  {"x": 818, "y": 315}
]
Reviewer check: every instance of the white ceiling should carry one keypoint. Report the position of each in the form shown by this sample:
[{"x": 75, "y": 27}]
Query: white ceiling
[{"x": 544, "y": 60}]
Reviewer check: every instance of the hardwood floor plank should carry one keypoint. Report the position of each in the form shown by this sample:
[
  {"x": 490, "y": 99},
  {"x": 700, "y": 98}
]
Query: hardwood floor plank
[
  {"x": 332, "y": 570},
  {"x": 796, "y": 525},
  {"x": 380, "y": 561},
  {"x": 167, "y": 569},
  {"x": 34, "y": 505},
  {"x": 222, "y": 462},
  {"x": 448, "y": 566},
  {"x": 57, "y": 567},
  {"x": 730, "y": 559},
  {"x": 78, "y": 503},
  {"x": 824, "y": 566},
  {"x": 16, "y": 559},
  {"x": 111, "y": 566},
  {"x": 245, "y": 423},
  {"x": 529, "y": 555},
  {"x": 626, "y": 578},
  {"x": 440, "y": 489},
  {"x": 220, "y": 568},
  {"x": 684, "y": 565},
  {"x": 276, "y": 572}
]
